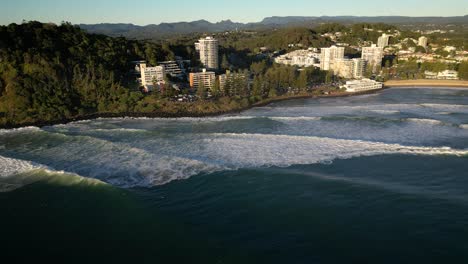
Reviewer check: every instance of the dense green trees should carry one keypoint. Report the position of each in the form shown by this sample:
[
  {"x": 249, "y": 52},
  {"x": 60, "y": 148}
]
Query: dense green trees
[
  {"x": 463, "y": 70},
  {"x": 48, "y": 72}
]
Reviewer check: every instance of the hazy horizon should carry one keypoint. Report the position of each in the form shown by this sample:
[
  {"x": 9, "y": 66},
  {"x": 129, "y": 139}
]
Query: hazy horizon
[{"x": 147, "y": 12}]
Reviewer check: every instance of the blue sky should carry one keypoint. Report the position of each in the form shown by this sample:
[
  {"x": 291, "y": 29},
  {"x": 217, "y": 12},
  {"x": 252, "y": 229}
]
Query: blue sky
[{"x": 144, "y": 12}]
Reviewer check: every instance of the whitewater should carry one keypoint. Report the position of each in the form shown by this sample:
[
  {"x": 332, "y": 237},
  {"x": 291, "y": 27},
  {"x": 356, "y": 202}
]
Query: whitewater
[{"x": 146, "y": 152}]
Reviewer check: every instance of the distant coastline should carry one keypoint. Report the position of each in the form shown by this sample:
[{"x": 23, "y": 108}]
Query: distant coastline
[{"x": 426, "y": 83}]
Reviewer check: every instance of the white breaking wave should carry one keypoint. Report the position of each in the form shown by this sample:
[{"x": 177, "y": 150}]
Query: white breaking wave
[
  {"x": 9, "y": 166},
  {"x": 295, "y": 118},
  {"x": 16, "y": 173},
  {"x": 425, "y": 121},
  {"x": 188, "y": 119},
  {"x": 19, "y": 130},
  {"x": 453, "y": 106},
  {"x": 181, "y": 157},
  {"x": 464, "y": 126},
  {"x": 385, "y": 112},
  {"x": 119, "y": 130},
  {"x": 259, "y": 150}
]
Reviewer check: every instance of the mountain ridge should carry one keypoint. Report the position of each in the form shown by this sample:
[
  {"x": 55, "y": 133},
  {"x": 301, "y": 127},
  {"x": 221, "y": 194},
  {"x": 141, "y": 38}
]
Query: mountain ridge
[{"x": 203, "y": 26}]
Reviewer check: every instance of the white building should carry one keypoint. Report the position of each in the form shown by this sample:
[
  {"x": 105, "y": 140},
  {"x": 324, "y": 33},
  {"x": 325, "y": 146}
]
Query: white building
[
  {"x": 301, "y": 58},
  {"x": 205, "y": 78},
  {"x": 151, "y": 76},
  {"x": 443, "y": 75},
  {"x": 342, "y": 68},
  {"x": 373, "y": 55},
  {"x": 362, "y": 85},
  {"x": 328, "y": 55},
  {"x": 382, "y": 42},
  {"x": 208, "y": 48},
  {"x": 359, "y": 68},
  {"x": 450, "y": 48},
  {"x": 422, "y": 42},
  {"x": 347, "y": 68}
]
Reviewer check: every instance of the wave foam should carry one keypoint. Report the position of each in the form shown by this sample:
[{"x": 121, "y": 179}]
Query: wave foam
[
  {"x": 295, "y": 118},
  {"x": 9, "y": 166},
  {"x": 425, "y": 121},
  {"x": 154, "y": 163},
  {"x": 259, "y": 150},
  {"x": 16, "y": 173},
  {"x": 19, "y": 130}
]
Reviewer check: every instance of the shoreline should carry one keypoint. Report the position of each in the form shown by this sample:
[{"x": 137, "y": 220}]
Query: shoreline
[
  {"x": 161, "y": 114},
  {"x": 423, "y": 83}
]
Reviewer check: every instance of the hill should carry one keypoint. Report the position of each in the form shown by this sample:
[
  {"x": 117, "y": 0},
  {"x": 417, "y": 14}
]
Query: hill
[
  {"x": 202, "y": 26},
  {"x": 49, "y": 72}
]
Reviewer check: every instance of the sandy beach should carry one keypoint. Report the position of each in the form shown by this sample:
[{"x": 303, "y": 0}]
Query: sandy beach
[{"x": 427, "y": 83}]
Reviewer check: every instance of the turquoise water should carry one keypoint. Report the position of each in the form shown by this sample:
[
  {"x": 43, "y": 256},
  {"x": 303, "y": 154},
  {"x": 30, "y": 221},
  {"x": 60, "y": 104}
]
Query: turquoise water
[{"x": 379, "y": 178}]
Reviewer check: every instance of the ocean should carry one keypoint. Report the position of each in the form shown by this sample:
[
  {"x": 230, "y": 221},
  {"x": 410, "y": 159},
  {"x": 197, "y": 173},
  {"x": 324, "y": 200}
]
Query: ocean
[{"x": 378, "y": 178}]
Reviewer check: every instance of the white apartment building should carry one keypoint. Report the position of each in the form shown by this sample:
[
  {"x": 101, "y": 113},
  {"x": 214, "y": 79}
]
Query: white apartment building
[
  {"x": 300, "y": 61},
  {"x": 422, "y": 42},
  {"x": 342, "y": 68},
  {"x": 151, "y": 75},
  {"x": 359, "y": 68},
  {"x": 328, "y": 55},
  {"x": 208, "y": 49},
  {"x": 205, "y": 78},
  {"x": 362, "y": 85},
  {"x": 347, "y": 68},
  {"x": 373, "y": 55},
  {"x": 443, "y": 75},
  {"x": 301, "y": 58},
  {"x": 382, "y": 42}
]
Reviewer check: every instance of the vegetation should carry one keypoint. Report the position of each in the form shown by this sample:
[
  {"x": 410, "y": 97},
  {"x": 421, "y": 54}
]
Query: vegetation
[{"x": 50, "y": 72}]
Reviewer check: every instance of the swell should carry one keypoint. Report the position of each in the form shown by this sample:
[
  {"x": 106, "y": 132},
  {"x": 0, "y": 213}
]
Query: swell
[
  {"x": 16, "y": 173},
  {"x": 387, "y": 186}
]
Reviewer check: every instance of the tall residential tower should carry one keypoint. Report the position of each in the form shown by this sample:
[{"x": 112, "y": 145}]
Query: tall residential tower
[
  {"x": 373, "y": 55},
  {"x": 329, "y": 55},
  {"x": 422, "y": 41},
  {"x": 208, "y": 48},
  {"x": 382, "y": 42}
]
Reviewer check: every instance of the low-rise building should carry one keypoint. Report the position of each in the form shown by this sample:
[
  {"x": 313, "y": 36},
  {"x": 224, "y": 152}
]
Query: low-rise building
[
  {"x": 443, "y": 75},
  {"x": 205, "y": 78},
  {"x": 151, "y": 76},
  {"x": 172, "y": 67},
  {"x": 362, "y": 85},
  {"x": 301, "y": 58}
]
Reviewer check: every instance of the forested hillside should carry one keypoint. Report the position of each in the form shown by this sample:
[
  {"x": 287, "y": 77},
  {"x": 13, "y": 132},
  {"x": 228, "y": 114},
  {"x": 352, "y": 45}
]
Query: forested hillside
[{"x": 48, "y": 72}]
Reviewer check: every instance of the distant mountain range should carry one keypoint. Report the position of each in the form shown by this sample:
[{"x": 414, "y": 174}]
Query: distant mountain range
[{"x": 202, "y": 26}]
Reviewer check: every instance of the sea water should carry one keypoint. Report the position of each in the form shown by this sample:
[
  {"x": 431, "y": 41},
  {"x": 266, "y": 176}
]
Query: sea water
[{"x": 379, "y": 178}]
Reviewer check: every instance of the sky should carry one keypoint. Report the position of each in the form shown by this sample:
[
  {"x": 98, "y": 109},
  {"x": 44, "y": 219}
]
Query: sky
[{"x": 143, "y": 12}]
